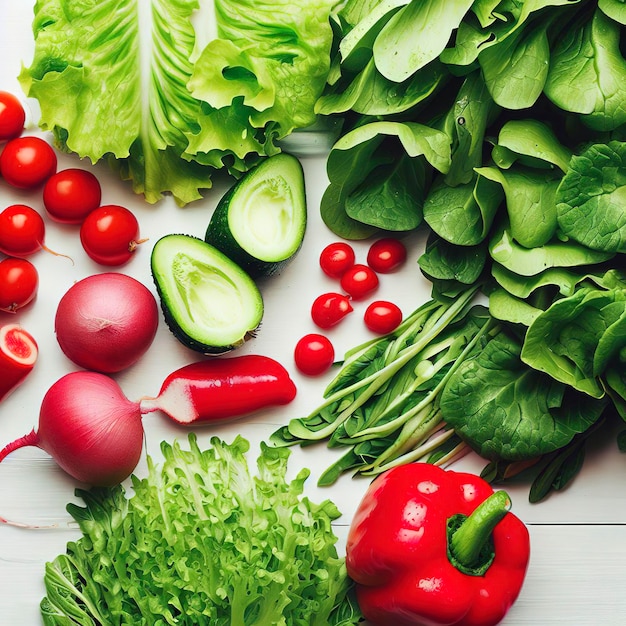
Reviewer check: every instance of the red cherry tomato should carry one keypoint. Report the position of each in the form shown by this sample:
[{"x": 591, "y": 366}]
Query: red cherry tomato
[
  {"x": 386, "y": 255},
  {"x": 110, "y": 234},
  {"x": 360, "y": 281},
  {"x": 382, "y": 317},
  {"x": 27, "y": 162},
  {"x": 314, "y": 354},
  {"x": 71, "y": 194},
  {"x": 329, "y": 309},
  {"x": 12, "y": 116},
  {"x": 22, "y": 231},
  {"x": 19, "y": 282},
  {"x": 336, "y": 258}
]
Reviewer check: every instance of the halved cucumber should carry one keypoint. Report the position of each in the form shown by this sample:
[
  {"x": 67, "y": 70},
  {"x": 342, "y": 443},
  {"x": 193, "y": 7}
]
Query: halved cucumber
[
  {"x": 260, "y": 222},
  {"x": 209, "y": 303}
]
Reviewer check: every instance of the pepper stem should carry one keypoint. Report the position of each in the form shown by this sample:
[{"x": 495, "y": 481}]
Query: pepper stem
[{"x": 470, "y": 538}]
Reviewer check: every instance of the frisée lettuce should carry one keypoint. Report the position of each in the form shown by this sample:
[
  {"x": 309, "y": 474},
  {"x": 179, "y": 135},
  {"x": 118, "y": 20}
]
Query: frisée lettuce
[
  {"x": 138, "y": 83},
  {"x": 203, "y": 540}
]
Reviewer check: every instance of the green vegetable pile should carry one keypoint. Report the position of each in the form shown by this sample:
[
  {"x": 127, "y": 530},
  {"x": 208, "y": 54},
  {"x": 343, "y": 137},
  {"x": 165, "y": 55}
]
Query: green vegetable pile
[
  {"x": 171, "y": 91},
  {"x": 203, "y": 541},
  {"x": 498, "y": 128}
]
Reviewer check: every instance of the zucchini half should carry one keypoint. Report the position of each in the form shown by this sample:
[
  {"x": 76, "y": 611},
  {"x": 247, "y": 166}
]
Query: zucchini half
[
  {"x": 210, "y": 304},
  {"x": 261, "y": 220}
]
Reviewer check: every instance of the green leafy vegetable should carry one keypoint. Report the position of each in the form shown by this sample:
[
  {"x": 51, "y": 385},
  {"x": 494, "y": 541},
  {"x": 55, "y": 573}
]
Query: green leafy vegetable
[
  {"x": 144, "y": 91},
  {"x": 591, "y": 197},
  {"x": 203, "y": 541},
  {"x": 509, "y": 411}
]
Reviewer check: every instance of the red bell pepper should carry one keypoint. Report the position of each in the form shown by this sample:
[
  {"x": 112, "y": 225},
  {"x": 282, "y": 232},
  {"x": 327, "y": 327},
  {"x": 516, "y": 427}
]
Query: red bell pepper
[
  {"x": 430, "y": 547},
  {"x": 18, "y": 355},
  {"x": 221, "y": 389}
]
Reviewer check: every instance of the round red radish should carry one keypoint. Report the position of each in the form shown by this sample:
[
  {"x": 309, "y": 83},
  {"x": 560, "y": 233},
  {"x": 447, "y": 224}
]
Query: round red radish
[
  {"x": 106, "y": 322},
  {"x": 89, "y": 427}
]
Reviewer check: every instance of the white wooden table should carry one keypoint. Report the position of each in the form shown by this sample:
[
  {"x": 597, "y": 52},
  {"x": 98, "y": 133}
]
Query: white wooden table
[{"x": 577, "y": 572}]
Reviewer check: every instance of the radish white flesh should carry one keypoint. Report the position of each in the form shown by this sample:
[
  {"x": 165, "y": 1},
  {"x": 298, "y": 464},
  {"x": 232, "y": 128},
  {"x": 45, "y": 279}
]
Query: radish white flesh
[{"x": 90, "y": 428}]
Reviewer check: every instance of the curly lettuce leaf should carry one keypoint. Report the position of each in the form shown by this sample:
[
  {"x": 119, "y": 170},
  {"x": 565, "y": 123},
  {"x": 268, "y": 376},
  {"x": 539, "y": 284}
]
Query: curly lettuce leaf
[
  {"x": 203, "y": 540},
  {"x": 130, "y": 81}
]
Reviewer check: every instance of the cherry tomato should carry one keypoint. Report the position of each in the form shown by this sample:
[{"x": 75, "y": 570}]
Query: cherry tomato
[
  {"x": 12, "y": 116},
  {"x": 336, "y": 258},
  {"x": 314, "y": 354},
  {"x": 329, "y": 309},
  {"x": 22, "y": 231},
  {"x": 71, "y": 194},
  {"x": 382, "y": 317},
  {"x": 19, "y": 282},
  {"x": 359, "y": 281},
  {"x": 27, "y": 162},
  {"x": 110, "y": 234},
  {"x": 386, "y": 255}
]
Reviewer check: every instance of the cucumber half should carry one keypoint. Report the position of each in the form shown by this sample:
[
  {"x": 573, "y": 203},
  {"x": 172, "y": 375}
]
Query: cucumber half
[
  {"x": 209, "y": 303},
  {"x": 260, "y": 222}
]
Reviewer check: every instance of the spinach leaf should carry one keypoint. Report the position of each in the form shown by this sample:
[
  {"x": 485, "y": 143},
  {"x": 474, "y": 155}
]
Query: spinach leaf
[
  {"x": 506, "y": 410},
  {"x": 391, "y": 197},
  {"x": 412, "y": 30},
  {"x": 516, "y": 69},
  {"x": 591, "y": 197},
  {"x": 576, "y": 337},
  {"x": 588, "y": 73},
  {"x": 370, "y": 93},
  {"x": 532, "y": 143},
  {"x": 530, "y": 203},
  {"x": 531, "y": 261},
  {"x": 444, "y": 261},
  {"x": 463, "y": 214},
  {"x": 370, "y": 149}
]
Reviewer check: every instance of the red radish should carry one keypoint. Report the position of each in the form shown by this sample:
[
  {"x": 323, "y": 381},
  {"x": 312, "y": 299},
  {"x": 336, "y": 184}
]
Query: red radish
[
  {"x": 18, "y": 355},
  {"x": 106, "y": 322},
  {"x": 222, "y": 389},
  {"x": 89, "y": 427},
  {"x": 19, "y": 283},
  {"x": 110, "y": 235},
  {"x": 22, "y": 231}
]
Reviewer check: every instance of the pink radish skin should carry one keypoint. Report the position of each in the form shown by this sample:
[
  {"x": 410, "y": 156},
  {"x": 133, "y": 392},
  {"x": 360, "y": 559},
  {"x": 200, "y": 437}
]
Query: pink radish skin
[
  {"x": 89, "y": 427},
  {"x": 106, "y": 322}
]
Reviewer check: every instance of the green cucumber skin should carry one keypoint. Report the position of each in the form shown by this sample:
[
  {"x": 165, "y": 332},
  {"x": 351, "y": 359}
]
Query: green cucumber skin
[
  {"x": 219, "y": 234},
  {"x": 189, "y": 341}
]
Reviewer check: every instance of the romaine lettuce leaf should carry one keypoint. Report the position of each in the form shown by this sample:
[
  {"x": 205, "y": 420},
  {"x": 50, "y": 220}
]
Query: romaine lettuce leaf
[
  {"x": 203, "y": 540},
  {"x": 130, "y": 81}
]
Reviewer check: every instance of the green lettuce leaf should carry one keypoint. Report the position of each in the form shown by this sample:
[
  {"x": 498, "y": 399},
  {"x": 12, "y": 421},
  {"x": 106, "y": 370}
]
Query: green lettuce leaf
[
  {"x": 203, "y": 540},
  {"x": 132, "y": 82}
]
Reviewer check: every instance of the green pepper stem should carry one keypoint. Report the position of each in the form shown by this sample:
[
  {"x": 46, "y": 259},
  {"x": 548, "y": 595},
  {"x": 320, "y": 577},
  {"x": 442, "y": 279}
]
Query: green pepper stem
[{"x": 468, "y": 540}]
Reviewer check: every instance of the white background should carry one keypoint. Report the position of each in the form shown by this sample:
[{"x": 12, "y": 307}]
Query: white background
[{"x": 577, "y": 572}]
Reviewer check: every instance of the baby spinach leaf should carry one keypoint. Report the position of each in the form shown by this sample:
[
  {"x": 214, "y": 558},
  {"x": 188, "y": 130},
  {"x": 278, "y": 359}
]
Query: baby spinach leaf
[
  {"x": 588, "y": 73},
  {"x": 530, "y": 203},
  {"x": 531, "y": 261},
  {"x": 516, "y": 69},
  {"x": 536, "y": 140},
  {"x": 591, "y": 198},
  {"x": 370, "y": 93},
  {"x": 615, "y": 9},
  {"x": 463, "y": 214},
  {"x": 391, "y": 197},
  {"x": 444, "y": 261},
  {"x": 466, "y": 123},
  {"x": 506, "y": 410},
  {"x": 412, "y": 30},
  {"x": 507, "y": 307},
  {"x": 567, "y": 340}
]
